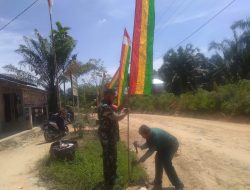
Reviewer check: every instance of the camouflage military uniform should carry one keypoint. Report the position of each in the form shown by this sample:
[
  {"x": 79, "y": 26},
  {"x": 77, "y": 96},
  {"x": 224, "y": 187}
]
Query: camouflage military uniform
[{"x": 107, "y": 131}]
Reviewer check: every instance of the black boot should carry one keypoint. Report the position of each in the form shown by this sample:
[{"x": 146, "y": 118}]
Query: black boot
[
  {"x": 180, "y": 186},
  {"x": 157, "y": 186}
]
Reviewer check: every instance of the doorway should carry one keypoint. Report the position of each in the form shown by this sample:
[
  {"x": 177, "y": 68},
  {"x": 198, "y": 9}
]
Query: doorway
[{"x": 11, "y": 107}]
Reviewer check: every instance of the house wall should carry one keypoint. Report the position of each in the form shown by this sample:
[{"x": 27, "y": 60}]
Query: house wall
[
  {"x": 27, "y": 98},
  {"x": 1, "y": 109},
  {"x": 18, "y": 122}
]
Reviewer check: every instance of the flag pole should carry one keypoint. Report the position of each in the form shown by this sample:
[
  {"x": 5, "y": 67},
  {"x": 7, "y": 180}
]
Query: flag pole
[
  {"x": 128, "y": 131},
  {"x": 54, "y": 49}
]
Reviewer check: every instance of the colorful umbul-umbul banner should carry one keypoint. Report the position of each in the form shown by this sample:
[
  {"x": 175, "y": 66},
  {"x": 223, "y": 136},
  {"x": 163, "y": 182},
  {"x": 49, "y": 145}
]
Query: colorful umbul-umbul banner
[
  {"x": 114, "y": 80},
  {"x": 141, "y": 69},
  {"x": 123, "y": 69}
]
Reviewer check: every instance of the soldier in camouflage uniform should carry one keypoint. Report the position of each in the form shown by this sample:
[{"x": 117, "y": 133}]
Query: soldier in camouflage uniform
[{"x": 107, "y": 131}]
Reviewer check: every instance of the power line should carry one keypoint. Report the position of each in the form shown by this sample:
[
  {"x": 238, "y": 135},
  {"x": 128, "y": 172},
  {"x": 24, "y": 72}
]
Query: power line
[
  {"x": 181, "y": 5},
  {"x": 165, "y": 12},
  {"x": 174, "y": 12},
  {"x": 21, "y": 13},
  {"x": 203, "y": 25},
  {"x": 206, "y": 23}
]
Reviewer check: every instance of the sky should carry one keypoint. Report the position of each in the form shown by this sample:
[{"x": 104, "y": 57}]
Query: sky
[{"x": 97, "y": 25}]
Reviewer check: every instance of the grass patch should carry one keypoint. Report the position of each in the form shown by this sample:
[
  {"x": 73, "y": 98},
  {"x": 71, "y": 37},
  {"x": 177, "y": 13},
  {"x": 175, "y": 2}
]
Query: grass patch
[{"x": 85, "y": 172}]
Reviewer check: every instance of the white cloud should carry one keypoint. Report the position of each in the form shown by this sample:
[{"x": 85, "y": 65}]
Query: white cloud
[
  {"x": 9, "y": 42},
  {"x": 3, "y": 21},
  {"x": 118, "y": 13},
  {"x": 102, "y": 21},
  {"x": 184, "y": 18},
  {"x": 158, "y": 63},
  {"x": 179, "y": 20},
  {"x": 17, "y": 24}
]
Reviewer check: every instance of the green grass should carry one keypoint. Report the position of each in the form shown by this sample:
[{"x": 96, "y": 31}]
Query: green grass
[{"x": 85, "y": 172}]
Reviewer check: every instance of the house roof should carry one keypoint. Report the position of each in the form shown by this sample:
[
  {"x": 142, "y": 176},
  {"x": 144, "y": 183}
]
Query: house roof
[
  {"x": 21, "y": 83},
  {"x": 15, "y": 80},
  {"x": 157, "y": 81}
]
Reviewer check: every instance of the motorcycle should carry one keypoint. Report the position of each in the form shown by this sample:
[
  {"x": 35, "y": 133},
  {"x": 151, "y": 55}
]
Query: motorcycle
[{"x": 51, "y": 130}]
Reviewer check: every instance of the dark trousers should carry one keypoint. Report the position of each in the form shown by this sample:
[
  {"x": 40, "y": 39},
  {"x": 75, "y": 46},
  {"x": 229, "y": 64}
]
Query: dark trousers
[
  {"x": 163, "y": 159},
  {"x": 109, "y": 147}
]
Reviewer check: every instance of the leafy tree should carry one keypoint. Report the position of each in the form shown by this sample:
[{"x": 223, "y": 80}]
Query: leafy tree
[
  {"x": 218, "y": 72},
  {"x": 87, "y": 95},
  {"x": 186, "y": 69},
  {"x": 77, "y": 68},
  {"x": 182, "y": 70},
  {"x": 38, "y": 54}
]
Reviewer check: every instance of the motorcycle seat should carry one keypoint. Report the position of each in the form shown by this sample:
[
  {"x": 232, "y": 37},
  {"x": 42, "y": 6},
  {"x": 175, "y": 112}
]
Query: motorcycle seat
[{"x": 53, "y": 124}]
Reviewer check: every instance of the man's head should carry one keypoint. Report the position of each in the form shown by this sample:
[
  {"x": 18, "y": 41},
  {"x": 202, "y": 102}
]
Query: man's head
[
  {"x": 145, "y": 131},
  {"x": 109, "y": 96}
]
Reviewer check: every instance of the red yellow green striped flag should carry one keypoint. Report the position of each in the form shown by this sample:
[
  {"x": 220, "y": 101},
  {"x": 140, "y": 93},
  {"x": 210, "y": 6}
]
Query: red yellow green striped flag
[
  {"x": 141, "y": 68},
  {"x": 124, "y": 65},
  {"x": 114, "y": 80}
]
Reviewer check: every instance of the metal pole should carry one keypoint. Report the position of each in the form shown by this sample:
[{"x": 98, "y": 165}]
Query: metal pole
[
  {"x": 78, "y": 102},
  {"x": 128, "y": 147},
  {"x": 128, "y": 136},
  {"x": 55, "y": 65}
]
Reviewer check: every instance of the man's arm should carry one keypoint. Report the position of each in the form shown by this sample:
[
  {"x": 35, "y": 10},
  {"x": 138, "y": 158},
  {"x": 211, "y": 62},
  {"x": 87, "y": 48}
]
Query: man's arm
[
  {"x": 147, "y": 155},
  {"x": 113, "y": 115},
  {"x": 143, "y": 146},
  {"x": 120, "y": 116}
]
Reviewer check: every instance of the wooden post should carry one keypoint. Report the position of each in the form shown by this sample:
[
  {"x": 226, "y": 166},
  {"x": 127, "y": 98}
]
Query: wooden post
[
  {"x": 30, "y": 118},
  {"x": 47, "y": 112}
]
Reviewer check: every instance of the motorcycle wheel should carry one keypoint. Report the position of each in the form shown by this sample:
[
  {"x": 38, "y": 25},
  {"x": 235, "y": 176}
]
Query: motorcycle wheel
[{"x": 47, "y": 136}]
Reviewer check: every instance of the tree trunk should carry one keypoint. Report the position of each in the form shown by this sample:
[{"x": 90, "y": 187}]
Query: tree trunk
[{"x": 53, "y": 99}]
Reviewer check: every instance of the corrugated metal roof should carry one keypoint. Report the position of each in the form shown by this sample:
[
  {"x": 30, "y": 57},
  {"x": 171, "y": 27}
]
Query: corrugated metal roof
[
  {"x": 19, "y": 82},
  {"x": 12, "y": 79}
]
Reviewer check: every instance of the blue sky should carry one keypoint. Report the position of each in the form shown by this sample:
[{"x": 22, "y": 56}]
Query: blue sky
[{"x": 98, "y": 25}]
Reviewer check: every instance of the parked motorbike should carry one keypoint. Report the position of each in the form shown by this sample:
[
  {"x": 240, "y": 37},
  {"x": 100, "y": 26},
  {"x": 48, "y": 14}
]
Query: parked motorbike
[{"x": 51, "y": 130}]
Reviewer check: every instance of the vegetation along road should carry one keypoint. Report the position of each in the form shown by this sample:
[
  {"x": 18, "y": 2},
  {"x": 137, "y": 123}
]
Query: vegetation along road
[{"x": 212, "y": 154}]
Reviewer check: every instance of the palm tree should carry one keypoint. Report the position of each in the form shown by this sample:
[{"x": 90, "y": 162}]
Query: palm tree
[
  {"x": 243, "y": 28},
  {"x": 38, "y": 54},
  {"x": 183, "y": 69},
  {"x": 241, "y": 24},
  {"x": 235, "y": 52}
]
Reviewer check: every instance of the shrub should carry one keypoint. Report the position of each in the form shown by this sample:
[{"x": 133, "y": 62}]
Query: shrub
[
  {"x": 79, "y": 126},
  {"x": 165, "y": 102},
  {"x": 235, "y": 98},
  {"x": 201, "y": 101},
  {"x": 229, "y": 99}
]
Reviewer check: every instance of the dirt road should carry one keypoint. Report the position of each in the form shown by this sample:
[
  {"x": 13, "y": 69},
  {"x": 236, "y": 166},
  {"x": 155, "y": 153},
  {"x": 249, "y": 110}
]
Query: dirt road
[
  {"x": 212, "y": 156},
  {"x": 18, "y": 163}
]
